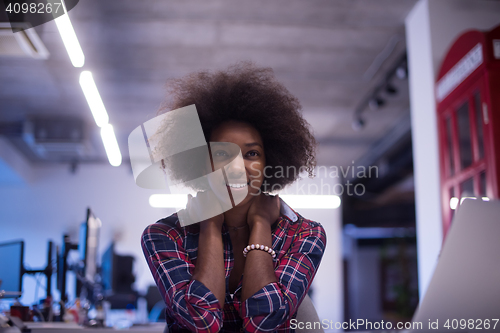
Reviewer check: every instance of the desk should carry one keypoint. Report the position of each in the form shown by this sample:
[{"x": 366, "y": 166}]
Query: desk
[{"x": 64, "y": 327}]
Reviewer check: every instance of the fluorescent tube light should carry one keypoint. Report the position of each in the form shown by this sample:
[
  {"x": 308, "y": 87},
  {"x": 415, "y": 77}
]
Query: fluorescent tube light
[
  {"x": 111, "y": 145},
  {"x": 168, "y": 200},
  {"x": 93, "y": 98},
  {"x": 69, "y": 39},
  {"x": 295, "y": 201},
  {"x": 312, "y": 201}
]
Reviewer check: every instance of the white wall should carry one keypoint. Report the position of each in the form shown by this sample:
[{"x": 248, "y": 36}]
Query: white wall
[
  {"x": 431, "y": 28},
  {"x": 425, "y": 142}
]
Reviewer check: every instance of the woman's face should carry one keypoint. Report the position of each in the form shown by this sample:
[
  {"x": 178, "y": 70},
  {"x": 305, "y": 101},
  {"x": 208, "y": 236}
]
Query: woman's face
[{"x": 243, "y": 177}]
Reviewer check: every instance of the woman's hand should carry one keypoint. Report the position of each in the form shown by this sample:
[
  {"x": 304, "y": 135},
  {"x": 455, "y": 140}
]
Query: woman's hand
[
  {"x": 264, "y": 209},
  {"x": 205, "y": 208}
]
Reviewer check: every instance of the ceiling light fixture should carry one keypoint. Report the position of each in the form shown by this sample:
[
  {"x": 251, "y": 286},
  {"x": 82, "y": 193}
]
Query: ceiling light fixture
[
  {"x": 296, "y": 201},
  {"x": 69, "y": 38},
  {"x": 93, "y": 98},
  {"x": 111, "y": 145},
  {"x": 168, "y": 200},
  {"x": 401, "y": 73},
  {"x": 312, "y": 201},
  {"x": 358, "y": 123},
  {"x": 376, "y": 103},
  {"x": 372, "y": 99},
  {"x": 390, "y": 89}
]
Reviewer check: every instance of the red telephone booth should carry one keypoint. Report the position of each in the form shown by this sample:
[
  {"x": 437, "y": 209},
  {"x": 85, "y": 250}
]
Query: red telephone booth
[{"x": 468, "y": 113}]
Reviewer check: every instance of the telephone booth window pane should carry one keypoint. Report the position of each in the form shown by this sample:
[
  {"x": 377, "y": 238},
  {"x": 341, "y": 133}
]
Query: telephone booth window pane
[
  {"x": 449, "y": 146},
  {"x": 482, "y": 183},
  {"x": 479, "y": 124},
  {"x": 464, "y": 136},
  {"x": 467, "y": 188}
]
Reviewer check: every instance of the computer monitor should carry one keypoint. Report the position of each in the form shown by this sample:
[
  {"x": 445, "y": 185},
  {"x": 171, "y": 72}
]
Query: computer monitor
[
  {"x": 107, "y": 269},
  {"x": 11, "y": 269},
  {"x": 88, "y": 245},
  {"x": 117, "y": 279},
  {"x": 116, "y": 272}
]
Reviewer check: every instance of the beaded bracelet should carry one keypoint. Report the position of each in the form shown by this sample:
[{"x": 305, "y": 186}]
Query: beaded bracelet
[{"x": 259, "y": 247}]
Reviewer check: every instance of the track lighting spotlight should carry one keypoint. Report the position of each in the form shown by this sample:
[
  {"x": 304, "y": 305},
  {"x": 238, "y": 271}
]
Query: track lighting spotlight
[
  {"x": 390, "y": 89},
  {"x": 358, "y": 123},
  {"x": 376, "y": 103},
  {"x": 385, "y": 88},
  {"x": 402, "y": 72}
]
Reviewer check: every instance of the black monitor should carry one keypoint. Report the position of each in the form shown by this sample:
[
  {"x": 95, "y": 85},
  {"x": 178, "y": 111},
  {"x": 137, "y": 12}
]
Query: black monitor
[
  {"x": 117, "y": 279},
  {"x": 117, "y": 272},
  {"x": 11, "y": 269}
]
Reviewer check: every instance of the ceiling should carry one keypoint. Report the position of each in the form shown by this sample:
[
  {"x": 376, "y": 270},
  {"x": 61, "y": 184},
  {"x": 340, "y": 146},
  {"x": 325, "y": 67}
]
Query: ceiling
[{"x": 325, "y": 52}]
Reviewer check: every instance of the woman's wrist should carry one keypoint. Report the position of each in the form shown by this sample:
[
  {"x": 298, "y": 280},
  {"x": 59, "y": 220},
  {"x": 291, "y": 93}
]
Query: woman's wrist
[
  {"x": 260, "y": 233},
  {"x": 209, "y": 268},
  {"x": 258, "y": 221},
  {"x": 211, "y": 225}
]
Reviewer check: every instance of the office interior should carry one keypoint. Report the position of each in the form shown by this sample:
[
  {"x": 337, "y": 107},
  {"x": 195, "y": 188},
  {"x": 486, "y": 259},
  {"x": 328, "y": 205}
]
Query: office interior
[{"x": 368, "y": 75}]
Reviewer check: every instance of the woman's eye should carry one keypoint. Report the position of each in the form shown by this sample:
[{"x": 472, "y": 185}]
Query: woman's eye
[
  {"x": 253, "y": 153},
  {"x": 221, "y": 153}
]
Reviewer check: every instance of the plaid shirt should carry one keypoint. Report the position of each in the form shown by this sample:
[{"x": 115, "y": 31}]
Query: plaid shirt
[{"x": 171, "y": 252}]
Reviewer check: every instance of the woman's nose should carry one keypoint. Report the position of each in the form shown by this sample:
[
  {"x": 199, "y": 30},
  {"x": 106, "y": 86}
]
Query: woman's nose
[{"x": 236, "y": 169}]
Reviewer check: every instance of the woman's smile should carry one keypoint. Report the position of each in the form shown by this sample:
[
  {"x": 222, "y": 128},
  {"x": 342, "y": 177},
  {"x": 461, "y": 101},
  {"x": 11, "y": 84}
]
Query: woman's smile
[{"x": 237, "y": 186}]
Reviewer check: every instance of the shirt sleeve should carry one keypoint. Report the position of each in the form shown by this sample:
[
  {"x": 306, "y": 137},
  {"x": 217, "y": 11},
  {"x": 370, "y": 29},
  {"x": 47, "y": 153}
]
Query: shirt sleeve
[
  {"x": 193, "y": 305},
  {"x": 276, "y": 302}
]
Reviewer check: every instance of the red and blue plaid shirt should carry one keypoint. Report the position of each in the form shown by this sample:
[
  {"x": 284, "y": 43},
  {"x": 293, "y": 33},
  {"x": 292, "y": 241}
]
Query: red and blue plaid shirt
[{"x": 171, "y": 252}]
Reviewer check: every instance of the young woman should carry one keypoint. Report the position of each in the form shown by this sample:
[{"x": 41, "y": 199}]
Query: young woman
[{"x": 248, "y": 268}]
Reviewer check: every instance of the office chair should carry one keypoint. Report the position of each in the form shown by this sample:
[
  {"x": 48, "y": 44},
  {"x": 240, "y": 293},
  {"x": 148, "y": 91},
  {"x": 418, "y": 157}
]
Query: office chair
[{"x": 307, "y": 313}]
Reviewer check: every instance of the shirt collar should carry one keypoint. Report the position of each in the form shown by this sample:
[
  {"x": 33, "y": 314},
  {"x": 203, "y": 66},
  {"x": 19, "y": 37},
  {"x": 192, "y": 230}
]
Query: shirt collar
[{"x": 287, "y": 211}]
